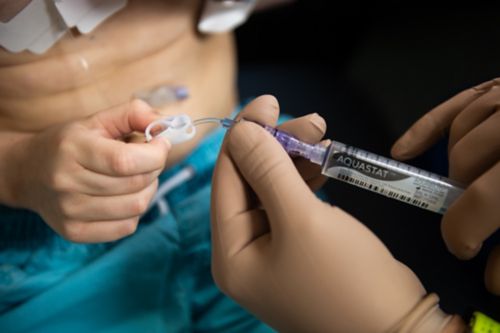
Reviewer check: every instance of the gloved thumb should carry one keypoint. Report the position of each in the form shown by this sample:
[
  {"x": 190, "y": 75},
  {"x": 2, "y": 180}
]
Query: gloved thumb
[{"x": 270, "y": 172}]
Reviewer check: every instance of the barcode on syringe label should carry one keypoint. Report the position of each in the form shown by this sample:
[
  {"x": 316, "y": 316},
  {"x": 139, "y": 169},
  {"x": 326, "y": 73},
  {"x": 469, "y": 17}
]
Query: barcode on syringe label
[
  {"x": 408, "y": 189},
  {"x": 383, "y": 191}
]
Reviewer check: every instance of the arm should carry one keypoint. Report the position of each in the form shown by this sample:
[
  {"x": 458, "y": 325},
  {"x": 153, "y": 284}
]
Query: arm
[{"x": 9, "y": 168}]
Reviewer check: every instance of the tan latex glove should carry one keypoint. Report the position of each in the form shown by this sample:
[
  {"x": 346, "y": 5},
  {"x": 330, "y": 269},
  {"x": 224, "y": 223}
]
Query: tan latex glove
[
  {"x": 473, "y": 120},
  {"x": 296, "y": 262}
]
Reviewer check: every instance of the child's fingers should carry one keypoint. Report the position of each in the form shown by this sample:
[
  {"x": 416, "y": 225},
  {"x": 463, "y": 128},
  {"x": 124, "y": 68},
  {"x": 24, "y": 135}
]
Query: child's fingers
[
  {"x": 99, "y": 231},
  {"x": 95, "y": 184},
  {"x": 80, "y": 207},
  {"x": 124, "y": 119},
  {"x": 116, "y": 158}
]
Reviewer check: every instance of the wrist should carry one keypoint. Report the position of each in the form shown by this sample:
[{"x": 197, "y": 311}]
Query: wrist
[
  {"x": 427, "y": 317},
  {"x": 12, "y": 151}
]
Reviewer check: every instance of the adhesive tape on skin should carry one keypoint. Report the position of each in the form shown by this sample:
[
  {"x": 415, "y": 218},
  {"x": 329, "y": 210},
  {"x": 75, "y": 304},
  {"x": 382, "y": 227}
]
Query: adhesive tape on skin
[
  {"x": 176, "y": 129},
  {"x": 224, "y": 15},
  {"x": 40, "y": 24}
]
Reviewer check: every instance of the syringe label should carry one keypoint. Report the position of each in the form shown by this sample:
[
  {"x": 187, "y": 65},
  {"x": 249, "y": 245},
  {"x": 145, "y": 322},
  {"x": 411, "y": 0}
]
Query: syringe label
[
  {"x": 369, "y": 169},
  {"x": 409, "y": 189}
]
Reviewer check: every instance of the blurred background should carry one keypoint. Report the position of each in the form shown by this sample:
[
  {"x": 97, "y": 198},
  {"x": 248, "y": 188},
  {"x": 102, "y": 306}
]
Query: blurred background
[{"x": 371, "y": 71}]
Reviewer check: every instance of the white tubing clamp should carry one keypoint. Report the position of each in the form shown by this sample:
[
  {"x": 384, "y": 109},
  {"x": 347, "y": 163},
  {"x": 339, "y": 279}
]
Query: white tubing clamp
[{"x": 176, "y": 129}]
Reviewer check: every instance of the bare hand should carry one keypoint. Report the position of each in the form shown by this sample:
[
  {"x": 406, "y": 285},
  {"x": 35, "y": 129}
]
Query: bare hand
[{"x": 84, "y": 181}]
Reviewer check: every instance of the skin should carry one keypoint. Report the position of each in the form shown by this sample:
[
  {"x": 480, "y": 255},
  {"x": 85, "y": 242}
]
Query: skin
[{"x": 65, "y": 116}]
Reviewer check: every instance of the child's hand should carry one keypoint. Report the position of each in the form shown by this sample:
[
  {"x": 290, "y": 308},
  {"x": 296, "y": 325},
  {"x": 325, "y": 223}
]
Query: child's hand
[
  {"x": 473, "y": 120},
  {"x": 85, "y": 182}
]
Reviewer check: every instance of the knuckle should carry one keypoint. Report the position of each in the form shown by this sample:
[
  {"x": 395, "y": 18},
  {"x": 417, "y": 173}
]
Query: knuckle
[
  {"x": 67, "y": 206},
  {"x": 65, "y": 137},
  {"x": 458, "y": 128},
  {"x": 140, "y": 205},
  {"x": 138, "y": 181},
  {"x": 458, "y": 162},
  {"x": 73, "y": 231},
  {"x": 138, "y": 105},
  {"x": 129, "y": 227},
  {"x": 58, "y": 181},
  {"x": 121, "y": 162}
]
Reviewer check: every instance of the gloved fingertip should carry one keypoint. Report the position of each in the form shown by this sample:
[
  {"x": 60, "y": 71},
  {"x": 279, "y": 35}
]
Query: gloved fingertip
[
  {"x": 271, "y": 100},
  {"x": 325, "y": 143},
  {"x": 400, "y": 149},
  {"x": 485, "y": 86},
  {"x": 466, "y": 251},
  {"x": 318, "y": 123}
]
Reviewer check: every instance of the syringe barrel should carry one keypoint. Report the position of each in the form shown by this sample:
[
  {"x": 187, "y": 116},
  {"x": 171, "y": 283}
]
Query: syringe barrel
[{"x": 390, "y": 178}]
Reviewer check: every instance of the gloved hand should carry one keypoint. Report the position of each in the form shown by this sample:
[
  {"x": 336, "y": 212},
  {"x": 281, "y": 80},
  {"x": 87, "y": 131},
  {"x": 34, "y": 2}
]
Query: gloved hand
[
  {"x": 87, "y": 184},
  {"x": 294, "y": 261},
  {"x": 473, "y": 120}
]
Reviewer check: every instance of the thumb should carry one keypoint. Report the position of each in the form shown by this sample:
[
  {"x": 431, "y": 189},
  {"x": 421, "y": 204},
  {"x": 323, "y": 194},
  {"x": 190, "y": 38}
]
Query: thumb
[
  {"x": 270, "y": 172},
  {"x": 124, "y": 119}
]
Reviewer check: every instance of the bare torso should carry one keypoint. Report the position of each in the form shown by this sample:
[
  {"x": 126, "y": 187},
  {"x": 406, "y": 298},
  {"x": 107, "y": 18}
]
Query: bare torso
[{"x": 149, "y": 43}]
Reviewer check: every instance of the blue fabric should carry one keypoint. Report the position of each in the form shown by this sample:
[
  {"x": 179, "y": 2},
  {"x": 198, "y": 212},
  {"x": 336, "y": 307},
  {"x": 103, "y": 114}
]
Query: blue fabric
[{"x": 157, "y": 280}]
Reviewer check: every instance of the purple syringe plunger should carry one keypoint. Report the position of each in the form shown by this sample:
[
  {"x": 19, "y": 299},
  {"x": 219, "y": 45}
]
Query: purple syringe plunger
[
  {"x": 293, "y": 146},
  {"x": 314, "y": 153}
]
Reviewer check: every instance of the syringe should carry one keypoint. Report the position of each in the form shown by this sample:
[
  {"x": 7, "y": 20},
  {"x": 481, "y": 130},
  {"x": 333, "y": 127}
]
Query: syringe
[
  {"x": 352, "y": 165},
  {"x": 378, "y": 174}
]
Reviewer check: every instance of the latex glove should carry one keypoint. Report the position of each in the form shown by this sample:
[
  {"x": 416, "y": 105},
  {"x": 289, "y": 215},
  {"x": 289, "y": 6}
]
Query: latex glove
[
  {"x": 86, "y": 183},
  {"x": 473, "y": 120},
  {"x": 296, "y": 262}
]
